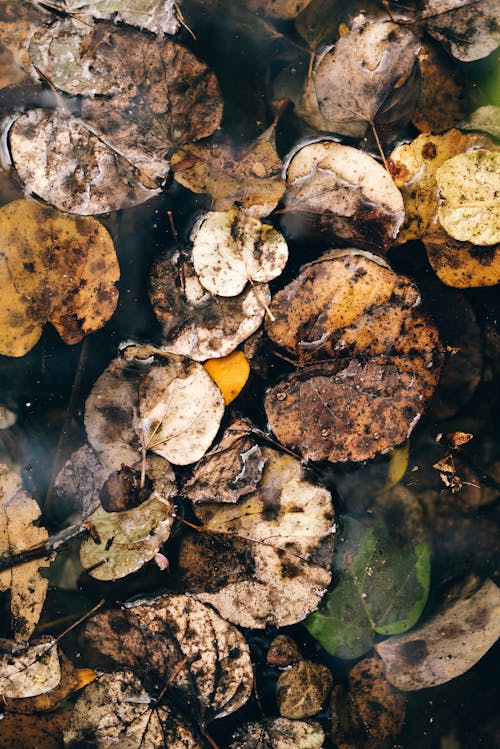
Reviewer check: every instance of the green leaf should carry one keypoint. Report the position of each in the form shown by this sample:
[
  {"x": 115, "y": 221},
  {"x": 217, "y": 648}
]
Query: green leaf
[{"x": 382, "y": 588}]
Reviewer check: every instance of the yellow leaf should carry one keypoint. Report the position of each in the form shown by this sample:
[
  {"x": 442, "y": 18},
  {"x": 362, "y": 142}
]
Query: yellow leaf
[
  {"x": 398, "y": 464},
  {"x": 230, "y": 373},
  {"x": 84, "y": 676}
]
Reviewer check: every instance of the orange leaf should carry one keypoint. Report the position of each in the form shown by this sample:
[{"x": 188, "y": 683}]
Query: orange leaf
[{"x": 229, "y": 373}]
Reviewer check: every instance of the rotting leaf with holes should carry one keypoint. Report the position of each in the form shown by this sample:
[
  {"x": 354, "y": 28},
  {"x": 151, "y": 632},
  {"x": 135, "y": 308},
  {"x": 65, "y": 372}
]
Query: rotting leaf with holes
[
  {"x": 63, "y": 162},
  {"x": 382, "y": 587},
  {"x": 449, "y": 643},
  {"x": 158, "y": 16},
  {"x": 117, "y": 710},
  {"x": 470, "y": 29},
  {"x": 19, "y": 530},
  {"x": 369, "y": 79},
  {"x": 342, "y": 193},
  {"x": 231, "y": 248},
  {"x": 177, "y": 642},
  {"x": 53, "y": 268},
  {"x": 27, "y": 671},
  {"x": 303, "y": 689},
  {"x": 264, "y": 559},
  {"x": 149, "y": 401},
  {"x": 369, "y": 359},
  {"x": 197, "y": 324},
  {"x": 279, "y": 733},
  {"x": 249, "y": 176}
]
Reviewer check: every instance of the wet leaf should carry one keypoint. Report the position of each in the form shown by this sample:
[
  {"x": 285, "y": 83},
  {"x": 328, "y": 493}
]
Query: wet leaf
[
  {"x": 486, "y": 119},
  {"x": 449, "y": 643},
  {"x": 79, "y": 482},
  {"x": 283, "y": 652},
  {"x": 54, "y": 268},
  {"x": 195, "y": 323},
  {"x": 397, "y": 466},
  {"x": 19, "y": 530},
  {"x": 369, "y": 359},
  {"x": 440, "y": 105},
  {"x": 279, "y": 733},
  {"x": 28, "y": 671},
  {"x": 249, "y": 177},
  {"x": 230, "y": 374},
  {"x": 54, "y": 697},
  {"x": 158, "y": 16},
  {"x": 18, "y": 21},
  {"x": 231, "y": 248},
  {"x": 255, "y": 560},
  {"x": 461, "y": 264},
  {"x": 43, "y": 731},
  {"x": 318, "y": 22},
  {"x": 303, "y": 689},
  {"x": 468, "y": 28},
  {"x": 370, "y": 77},
  {"x": 370, "y": 714},
  {"x": 59, "y": 159},
  {"x": 343, "y": 193},
  {"x": 116, "y": 710},
  {"x": 469, "y": 184},
  {"x": 414, "y": 168},
  {"x": 276, "y": 8},
  {"x": 230, "y": 470},
  {"x": 382, "y": 587},
  {"x": 178, "y": 642}
]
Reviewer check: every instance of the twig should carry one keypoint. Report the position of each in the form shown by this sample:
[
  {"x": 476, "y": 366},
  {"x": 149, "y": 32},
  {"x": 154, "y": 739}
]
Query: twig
[
  {"x": 51, "y": 546},
  {"x": 379, "y": 145}
]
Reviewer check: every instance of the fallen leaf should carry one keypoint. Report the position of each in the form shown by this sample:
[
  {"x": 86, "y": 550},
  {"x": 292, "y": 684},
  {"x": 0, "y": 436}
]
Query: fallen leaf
[
  {"x": 230, "y": 374},
  {"x": 55, "y": 696},
  {"x": 232, "y": 469},
  {"x": 178, "y": 642},
  {"x": 256, "y": 560},
  {"x": 414, "y": 166},
  {"x": 382, "y": 588},
  {"x": 125, "y": 489},
  {"x": 59, "y": 159},
  {"x": 19, "y": 530},
  {"x": 42, "y": 731},
  {"x": 54, "y": 268},
  {"x": 449, "y": 643},
  {"x": 468, "y": 28},
  {"x": 116, "y": 710},
  {"x": 342, "y": 192},
  {"x": 249, "y": 176},
  {"x": 398, "y": 465},
  {"x": 369, "y": 359},
  {"x": 283, "y": 652},
  {"x": 79, "y": 482},
  {"x": 469, "y": 185},
  {"x": 195, "y": 323},
  {"x": 27, "y": 671},
  {"x": 370, "y": 78},
  {"x": 276, "y": 8},
  {"x": 462, "y": 265},
  {"x": 231, "y": 248},
  {"x": 17, "y": 24},
  {"x": 486, "y": 119},
  {"x": 318, "y": 22},
  {"x": 303, "y": 689},
  {"x": 440, "y": 105},
  {"x": 279, "y": 733},
  {"x": 371, "y": 713},
  {"x": 158, "y": 16}
]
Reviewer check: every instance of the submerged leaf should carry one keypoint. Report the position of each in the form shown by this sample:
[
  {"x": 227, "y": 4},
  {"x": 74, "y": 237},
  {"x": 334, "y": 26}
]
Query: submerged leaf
[
  {"x": 440, "y": 105},
  {"x": 303, "y": 689},
  {"x": 276, "y": 8},
  {"x": 470, "y": 29},
  {"x": 461, "y": 264},
  {"x": 28, "y": 671},
  {"x": 279, "y": 733},
  {"x": 158, "y": 16},
  {"x": 230, "y": 374}
]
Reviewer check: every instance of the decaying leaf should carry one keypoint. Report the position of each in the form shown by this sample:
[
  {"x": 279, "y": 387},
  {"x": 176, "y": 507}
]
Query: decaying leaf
[
  {"x": 470, "y": 29},
  {"x": 63, "y": 162},
  {"x": 53, "y": 268},
  {"x": 382, "y": 587},
  {"x": 230, "y": 374},
  {"x": 469, "y": 185},
  {"x": 370, "y": 714},
  {"x": 44, "y": 731},
  {"x": 279, "y": 733},
  {"x": 486, "y": 119},
  {"x": 319, "y": 22},
  {"x": 28, "y": 671},
  {"x": 116, "y": 710},
  {"x": 52, "y": 699},
  {"x": 343, "y": 193},
  {"x": 449, "y": 643},
  {"x": 276, "y": 8},
  {"x": 283, "y": 652},
  {"x": 170, "y": 407},
  {"x": 178, "y": 642},
  {"x": 79, "y": 482},
  {"x": 195, "y": 323},
  {"x": 414, "y": 168},
  {"x": 158, "y": 16},
  {"x": 231, "y": 248},
  {"x": 370, "y": 78},
  {"x": 249, "y": 177},
  {"x": 159, "y": 94},
  {"x": 230, "y": 470},
  {"x": 462, "y": 265},
  {"x": 369, "y": 359},
  {"x": 18, "y": 21},
  {"x": 19, "y": 530},
  {"x": 440, "y": 105},
  {"x": 255, "y": 560},
  {"x": 303, "y": 689}
]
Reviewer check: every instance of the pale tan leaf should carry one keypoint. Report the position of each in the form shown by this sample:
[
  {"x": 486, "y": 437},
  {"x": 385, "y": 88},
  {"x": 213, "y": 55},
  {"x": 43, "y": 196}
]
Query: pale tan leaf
[{"x": 28, "y": 671}]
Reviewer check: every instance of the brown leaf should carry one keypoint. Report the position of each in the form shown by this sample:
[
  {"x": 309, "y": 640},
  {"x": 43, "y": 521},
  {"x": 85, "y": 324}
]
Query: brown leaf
[
  {"x": 303, "y": 689},
  {"x": 19, "y": 530},
  {"x": 449, "y": 644},
  {"x": 54, "y": 268},
  {"x": 468, "y": 28},
  {"x": 283, "y": 652},
  {"x": 276, "y": 8},
  {"x": 41, "y": 731},
  {"x": 177, "y": 641},
  {"x": 370, "y": 714},
  {"x": 18, "y": 21},
  {"x": 440, "y": 105},
  {"x": 195, "y": 323},
  {"x": 157, "y": 16},
  {"x": 279, "y": 733},
  {"x": 462, "y": 265},
  {"x": 79, "y": 482},
  {"x": 369, "y": 356}
]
